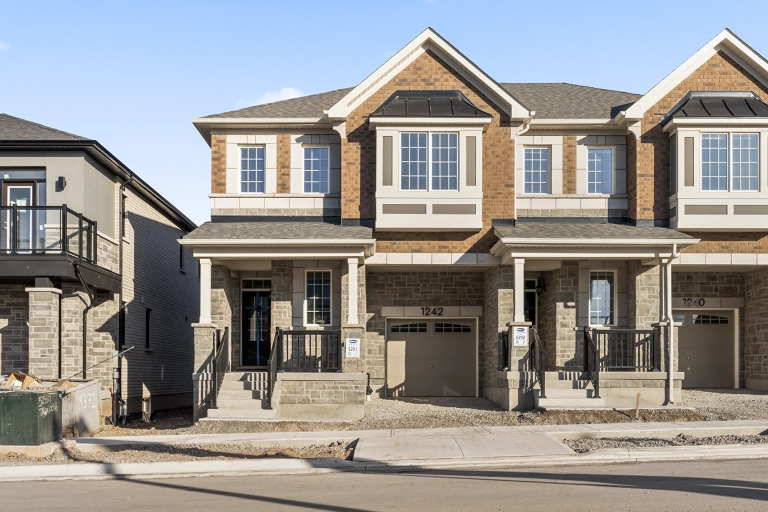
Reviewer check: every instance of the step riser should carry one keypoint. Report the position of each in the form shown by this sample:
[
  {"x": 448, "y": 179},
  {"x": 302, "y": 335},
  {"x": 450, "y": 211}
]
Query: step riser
[
  {"x": 247, "y": 386},
  {"x": 568, "y": 403},
  {"x": 237, "y": 413},
  {"x": 247, "y": 377},
  {"x": 244, "y": 405},
  {"x": 569, "y": 393},
  {"x": 242, "y": 394}
]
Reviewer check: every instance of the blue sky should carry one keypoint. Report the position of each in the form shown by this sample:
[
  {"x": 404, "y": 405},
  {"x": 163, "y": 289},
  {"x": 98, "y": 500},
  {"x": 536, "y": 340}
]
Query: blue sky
[{"x": 132, "y": 74}]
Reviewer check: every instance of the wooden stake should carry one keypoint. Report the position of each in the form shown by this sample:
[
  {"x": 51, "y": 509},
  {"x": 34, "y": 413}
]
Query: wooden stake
[{"x": 637, "y": 407}]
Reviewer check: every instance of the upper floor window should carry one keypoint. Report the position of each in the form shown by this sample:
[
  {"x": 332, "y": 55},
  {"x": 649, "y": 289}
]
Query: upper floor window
[
  {"x": 600, "y": 171},
  {"x": 536, "y": 170},
  {"x": 316, "y": 170},
  {"x": 714, "y": 161},
  {"x": 252, "y": 169},
  {"x": 743, "y": 164},
  {"x": 745, "y": 161},
  {"x": 415, "y": 161}
]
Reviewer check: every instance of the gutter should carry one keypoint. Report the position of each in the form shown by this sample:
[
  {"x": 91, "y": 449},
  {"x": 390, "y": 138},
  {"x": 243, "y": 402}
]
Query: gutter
[{"x": 88, "y": 307}]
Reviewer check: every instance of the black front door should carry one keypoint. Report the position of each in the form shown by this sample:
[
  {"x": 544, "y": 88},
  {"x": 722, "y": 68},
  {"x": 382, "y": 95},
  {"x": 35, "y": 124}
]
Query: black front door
[{"x": 255, "y": 329}]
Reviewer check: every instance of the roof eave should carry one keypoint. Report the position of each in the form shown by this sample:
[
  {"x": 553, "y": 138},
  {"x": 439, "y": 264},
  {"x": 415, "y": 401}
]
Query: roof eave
[{"x": 204, "y": 125}]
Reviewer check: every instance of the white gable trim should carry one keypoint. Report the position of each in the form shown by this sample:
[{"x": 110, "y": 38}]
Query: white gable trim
[
  {"x": 429, "y": 39},
  {"x": 727, "y": 42}
]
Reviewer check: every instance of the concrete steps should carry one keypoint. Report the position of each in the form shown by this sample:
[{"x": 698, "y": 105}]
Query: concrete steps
[
  {"x": 568, "y": 393},
  {"x": 242, "y": 397}
]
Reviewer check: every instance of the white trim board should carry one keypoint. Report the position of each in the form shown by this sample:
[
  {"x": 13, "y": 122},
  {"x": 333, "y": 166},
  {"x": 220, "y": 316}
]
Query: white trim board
[{"x": 427, "y": 40}]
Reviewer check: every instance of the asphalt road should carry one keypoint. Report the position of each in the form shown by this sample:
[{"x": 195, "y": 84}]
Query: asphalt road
[{"x": 678, "y": 486}]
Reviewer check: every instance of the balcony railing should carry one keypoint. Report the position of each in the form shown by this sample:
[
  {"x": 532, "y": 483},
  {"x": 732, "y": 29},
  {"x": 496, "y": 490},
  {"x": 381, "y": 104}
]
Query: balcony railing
[{"x": 47, "y": 230}]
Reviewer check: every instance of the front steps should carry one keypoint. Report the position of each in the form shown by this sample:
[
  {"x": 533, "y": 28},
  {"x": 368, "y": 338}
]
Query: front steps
[
  {"x": 242, "y": 397},
  {"x": 568, "y": 391}
]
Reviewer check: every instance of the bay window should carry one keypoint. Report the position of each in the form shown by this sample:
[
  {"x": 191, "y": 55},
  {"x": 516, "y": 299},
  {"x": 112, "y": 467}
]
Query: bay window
[{"x": 429, "y": 161}]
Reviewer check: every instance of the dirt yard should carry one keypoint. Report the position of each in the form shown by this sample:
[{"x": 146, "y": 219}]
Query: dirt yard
[
  {"x": 588, "y": 445},
  {"x": 697, "y": 405},
  {"x": 184, "y": 452}
]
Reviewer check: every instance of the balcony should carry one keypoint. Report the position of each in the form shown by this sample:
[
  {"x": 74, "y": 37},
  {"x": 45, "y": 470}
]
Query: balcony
[
  {"x": 40, "y": 230},
  {"x": 52, "y": 242}
]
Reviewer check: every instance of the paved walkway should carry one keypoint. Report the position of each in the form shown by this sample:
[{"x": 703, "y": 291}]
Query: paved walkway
[{"x": 446, "y": 443}]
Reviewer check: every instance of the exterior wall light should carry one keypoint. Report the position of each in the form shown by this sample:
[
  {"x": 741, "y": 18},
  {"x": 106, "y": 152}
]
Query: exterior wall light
[{"x": 540, "y": 287}]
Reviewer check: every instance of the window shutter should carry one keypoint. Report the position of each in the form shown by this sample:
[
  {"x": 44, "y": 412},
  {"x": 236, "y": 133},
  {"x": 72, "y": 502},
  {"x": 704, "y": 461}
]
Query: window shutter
[
  {"x": 673, "y": 165},
  {"x": 471, "y": 161},
  {"x": 387, "y": 154},
  {"x": 688, "y": 161}
]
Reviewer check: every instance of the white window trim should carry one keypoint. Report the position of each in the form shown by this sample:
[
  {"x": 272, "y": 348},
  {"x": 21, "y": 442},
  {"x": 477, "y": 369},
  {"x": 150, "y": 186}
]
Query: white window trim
[
  {"x": 330, "y": 309},
  {"x": 549, "y": 171},
  {"x": 615, "y": 297},
  {"x": 303, "y": 168},
  {"x": 612, "y": 147},
  {"x": 240, "y": 169},
  {"x": 429, "y": 161}
]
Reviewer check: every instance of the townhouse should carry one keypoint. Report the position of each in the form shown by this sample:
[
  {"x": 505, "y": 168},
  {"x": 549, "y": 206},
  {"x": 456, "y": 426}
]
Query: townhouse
[
  {"x": 434, "y": 232},
  {"x": 90, "y": 265}
]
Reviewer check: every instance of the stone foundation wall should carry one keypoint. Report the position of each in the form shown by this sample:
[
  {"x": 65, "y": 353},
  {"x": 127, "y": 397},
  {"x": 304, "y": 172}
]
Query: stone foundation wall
[
  {"x": 498, "y": 311},
  {"x": 414, "y": 289},
  {"x": 14, "y": 311},
  {"x": 756, "y": 329},
  {"x": 326, "y": 396}
]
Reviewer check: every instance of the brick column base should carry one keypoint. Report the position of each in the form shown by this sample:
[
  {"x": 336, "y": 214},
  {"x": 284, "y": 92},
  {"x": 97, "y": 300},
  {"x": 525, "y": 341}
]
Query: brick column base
[{"x": 44, "y": 332}]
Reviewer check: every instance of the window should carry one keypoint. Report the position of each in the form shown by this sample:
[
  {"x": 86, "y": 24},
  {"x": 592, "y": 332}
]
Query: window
[
  {"x": 445, "y": 161},
  {"x": 257, "y": 284},
  {"x": 709, "y": 320},
  {"x": 536, "y": 170},
  {"x": 440, "y": 327},
  {"x": 415, "y": 160},
  {"x": 714, "y": 161},
  {"x": 147, "y": 316},
  {"x": 316, "y": 170},
  {"x": 745, "y": 161},
  {"x": 252, "y": 169},
  {"x": 319, "y": 297},
  {"x": 601, "y": 301},
  {"x": 419, "y": 327},
  {"x": 181, "y": 256},
  {"x": 600, "y": 171}
]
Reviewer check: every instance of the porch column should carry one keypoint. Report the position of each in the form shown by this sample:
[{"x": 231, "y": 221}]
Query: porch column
[
  {"x": 44, "y": 303},
  {"x": 519, "y": 284},
  {"x": 352, "y": 291},
  {"x": 205, "y": 291}
]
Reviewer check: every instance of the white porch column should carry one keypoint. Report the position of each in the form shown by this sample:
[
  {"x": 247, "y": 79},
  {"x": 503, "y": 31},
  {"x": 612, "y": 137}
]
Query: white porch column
[
  {"x": 519, "y": 264},
  {"x": 352, "y": 291},
  {"x": 205, "y": 291}
]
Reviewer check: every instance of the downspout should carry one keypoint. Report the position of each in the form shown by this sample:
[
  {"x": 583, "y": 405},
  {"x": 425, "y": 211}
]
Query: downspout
[
  {"x": 670, "y": 323},
  {"x": 85, "y": 317},
  {"x": 120, "y": 342}
]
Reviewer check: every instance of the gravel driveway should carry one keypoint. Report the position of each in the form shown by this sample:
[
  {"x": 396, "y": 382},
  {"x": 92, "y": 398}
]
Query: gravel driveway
[{"x": 727, "y": 404}]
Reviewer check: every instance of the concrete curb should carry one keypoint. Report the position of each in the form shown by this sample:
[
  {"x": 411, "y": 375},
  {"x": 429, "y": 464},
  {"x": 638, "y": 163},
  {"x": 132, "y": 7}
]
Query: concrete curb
[{"x": 151, "y": 470}]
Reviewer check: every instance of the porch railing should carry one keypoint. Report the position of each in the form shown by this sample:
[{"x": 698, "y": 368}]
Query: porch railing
[
  {"x": 504, "y": 351},
  {"x": 309, "y": 351},
  {"x": 627, "y": 349},
  {"x": 221, "y": 363},
  {"x": 592, "y": 361},
  {"x": 47, "y": 230},
  {"x": 272, "y": 364},
  {"x": 539, "y": 362}
]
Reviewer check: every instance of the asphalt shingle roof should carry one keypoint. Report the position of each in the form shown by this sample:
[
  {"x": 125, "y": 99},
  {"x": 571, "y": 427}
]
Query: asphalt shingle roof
[
  {"x": 14, "y": 128},
  {"x": 278, "y": 231},
  {"x": 549, "y": 100},
  {"x": 586, "y": 230}
]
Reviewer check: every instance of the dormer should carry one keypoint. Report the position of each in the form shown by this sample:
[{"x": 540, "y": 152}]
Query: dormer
[
  {"x": 429, "y": 171},
  {"x": 718, "y": 161}
]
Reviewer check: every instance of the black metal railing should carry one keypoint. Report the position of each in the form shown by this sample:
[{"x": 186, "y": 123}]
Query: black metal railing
[
  {"x": 221, "y": 362},
  {"x": 592, "y": 361},
  {"x": 47, "y": 230},
  {"x": 272, "y": 364},
  {"x": 539, "y": 362},
  {"x": 504, "y": 351},
  {"x": 309, "y": 351},
  {"x": 627, "y": 349}
]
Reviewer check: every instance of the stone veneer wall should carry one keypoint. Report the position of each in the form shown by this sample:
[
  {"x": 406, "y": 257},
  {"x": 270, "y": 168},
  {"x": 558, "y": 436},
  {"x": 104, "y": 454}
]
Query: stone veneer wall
[
  {"x": 354, "y": 331},
  {"x": 108, "y": 255},
  {"x": 498, "y": 311},
  {"x": 558, "y": 316},
  {"x": 756, "y": 329},
  {"x": 44, "y": 332},
  {"x": 14, "y": 311},
  {"x": 327, "y": 392},
  {"x": 225, "y": 306},
  {"x": 411, "y": 289},
  {"x": 281, "y": 296},
  {"x": 643, "y": 295}
]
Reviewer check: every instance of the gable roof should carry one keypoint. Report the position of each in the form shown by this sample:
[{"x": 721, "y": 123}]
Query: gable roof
[
  {"x": 410, "y": 103},
  {"x": 434, "y": 42},
  {"x": 726, "y": 42},
  {"x": 14, "y": 128}
]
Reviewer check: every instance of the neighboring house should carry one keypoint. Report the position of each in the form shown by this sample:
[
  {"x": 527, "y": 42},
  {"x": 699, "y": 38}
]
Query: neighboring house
[
  {"x": 434, "y": 214},
  {"x": 80, "y": 231}
]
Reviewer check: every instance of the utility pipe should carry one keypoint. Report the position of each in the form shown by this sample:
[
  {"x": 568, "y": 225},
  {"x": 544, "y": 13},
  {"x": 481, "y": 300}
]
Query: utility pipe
[
  {"x": 88, "y": 307},
  {"x": 120, "y": 340}
]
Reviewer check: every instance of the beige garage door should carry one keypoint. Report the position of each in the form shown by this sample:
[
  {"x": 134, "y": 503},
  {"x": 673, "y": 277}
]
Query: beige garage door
[
  {"x": 431, "y": 358},
  {"x": 706, "y": 349}
]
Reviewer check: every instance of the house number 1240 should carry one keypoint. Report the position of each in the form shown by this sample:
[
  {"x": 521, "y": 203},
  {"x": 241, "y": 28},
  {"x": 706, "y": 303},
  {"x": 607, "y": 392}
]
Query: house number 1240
[
  {"x": 431, "y": 311},
  {"x": 693, "y": 303}
]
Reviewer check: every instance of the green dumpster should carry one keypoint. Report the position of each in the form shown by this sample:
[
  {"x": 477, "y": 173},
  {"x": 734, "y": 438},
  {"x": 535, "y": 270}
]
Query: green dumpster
[{"x": 29, "y": 418}]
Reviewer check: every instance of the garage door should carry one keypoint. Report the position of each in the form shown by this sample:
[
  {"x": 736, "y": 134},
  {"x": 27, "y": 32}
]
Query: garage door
[
  {"x": 706, "y": 349},
  {"x": 431, "y": 358}
]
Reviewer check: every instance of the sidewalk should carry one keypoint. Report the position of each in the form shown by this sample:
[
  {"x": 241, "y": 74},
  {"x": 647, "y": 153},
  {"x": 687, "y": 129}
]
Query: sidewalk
[{"x": 410, "y": 450}]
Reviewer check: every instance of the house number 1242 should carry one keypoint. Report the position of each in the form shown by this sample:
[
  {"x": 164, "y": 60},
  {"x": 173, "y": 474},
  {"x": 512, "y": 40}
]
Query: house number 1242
[
  {"x": 693, "y": 303},
  {"x": 431, "y": 311}
]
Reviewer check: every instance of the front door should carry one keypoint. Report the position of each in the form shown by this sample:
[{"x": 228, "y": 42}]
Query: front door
[
  {"x": 20, "y": 195},
  {"x": 255, "y": 329}
]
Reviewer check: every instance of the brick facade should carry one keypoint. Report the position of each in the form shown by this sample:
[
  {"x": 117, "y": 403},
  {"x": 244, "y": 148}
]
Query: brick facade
[
  {"x": 218, "y": 164},
  {"x": 569, "y": 164},
  {"x": 283, "y": 164},
  {"x": 729, "y": 243},
  {"x": 648, "y": 186},
  {"x": 358, "y": 162}
]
